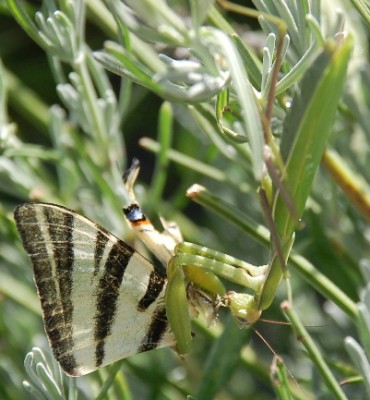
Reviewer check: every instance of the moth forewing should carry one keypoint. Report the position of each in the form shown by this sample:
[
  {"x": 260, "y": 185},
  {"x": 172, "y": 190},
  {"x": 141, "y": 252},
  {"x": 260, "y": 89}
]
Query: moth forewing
[{"x": 102, "y": 301}]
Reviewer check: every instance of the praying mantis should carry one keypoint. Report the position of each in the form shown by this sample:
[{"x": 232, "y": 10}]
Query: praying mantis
[{"x": 194, "y": 272}]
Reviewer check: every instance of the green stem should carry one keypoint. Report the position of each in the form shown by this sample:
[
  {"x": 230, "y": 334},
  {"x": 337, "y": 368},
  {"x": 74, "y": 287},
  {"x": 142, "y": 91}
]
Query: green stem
[
  {"x": 108, "y": 382},
  {"x": 89, "y": 96},
  {"x": 363, "y": 8},
  {"x": 307, "y": 270},
  {"x": 162, "y": 159},
  {"x": 353, "y": 185},
  {"x": 21, "y": 97},
  {"x": 189, "y": 162},
  {"x": 323, "y": 285},
  {"x": 313, "y": 351}
]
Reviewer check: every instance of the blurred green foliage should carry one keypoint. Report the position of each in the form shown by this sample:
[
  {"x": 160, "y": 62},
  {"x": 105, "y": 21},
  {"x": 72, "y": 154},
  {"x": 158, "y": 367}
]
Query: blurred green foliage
[{"x": 71, "y": 119}]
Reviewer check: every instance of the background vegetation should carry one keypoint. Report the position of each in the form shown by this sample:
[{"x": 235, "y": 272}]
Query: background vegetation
[{"x": 84, "y": 87}]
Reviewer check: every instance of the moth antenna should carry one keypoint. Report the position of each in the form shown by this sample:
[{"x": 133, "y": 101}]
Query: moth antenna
[{"x": 129, "y": 178}]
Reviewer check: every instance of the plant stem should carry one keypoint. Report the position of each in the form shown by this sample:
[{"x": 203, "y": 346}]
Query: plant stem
[{"x": 313, "y": 351}]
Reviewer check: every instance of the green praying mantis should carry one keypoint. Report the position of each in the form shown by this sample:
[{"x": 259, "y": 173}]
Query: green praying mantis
[{"x": 195, "y": 273}]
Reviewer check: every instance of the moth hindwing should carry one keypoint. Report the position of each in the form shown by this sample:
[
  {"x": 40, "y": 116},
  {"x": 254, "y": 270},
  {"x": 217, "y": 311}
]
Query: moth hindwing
[{"x": 102, "y": 301}]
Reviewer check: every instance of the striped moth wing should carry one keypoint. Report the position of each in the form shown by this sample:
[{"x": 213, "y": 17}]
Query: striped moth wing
[{"x": 102, "y": 301}]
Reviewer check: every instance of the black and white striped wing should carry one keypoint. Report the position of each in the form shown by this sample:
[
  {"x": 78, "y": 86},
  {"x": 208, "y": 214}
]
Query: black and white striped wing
[{"x": 102, "y": 301}]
